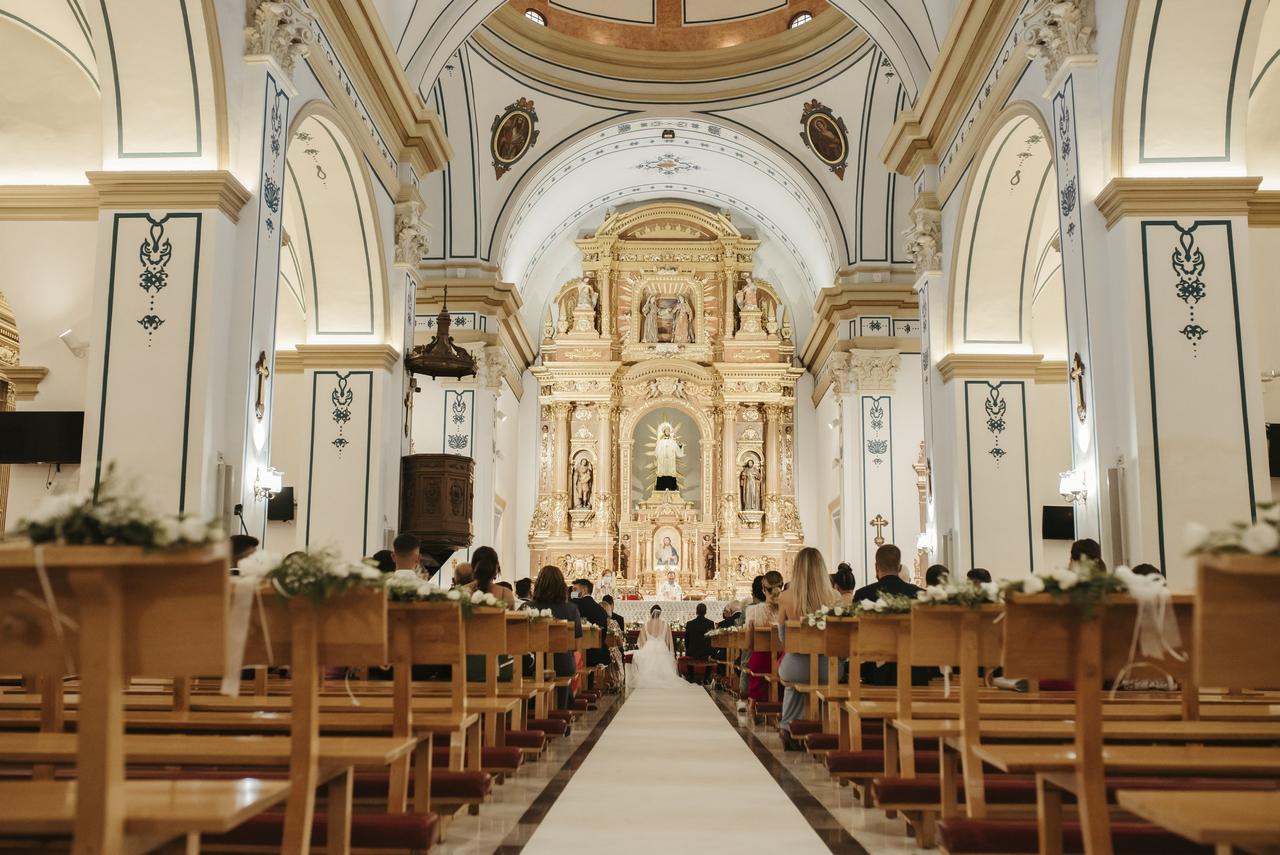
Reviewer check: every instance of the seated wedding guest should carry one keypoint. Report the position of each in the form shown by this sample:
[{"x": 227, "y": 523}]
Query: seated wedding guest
[
  {"x": 505, "y": 584},
  {"x": 844, "y": 583},
  {"x": 407, "y": 553},
  {"x": 936, "y": 575},
  {"x": 696, "y": 643},
  {"x": 242, "y": 546},
  {"x": 978, "y": 575},
  {"x": 888, "y": 577},
  {"x": 593, "y": 614},
  {"x": 484, "y": 576},
  {"x": 462, "y": 574},
  {"x": 731, "y": 616},
  {"x": 550, "y": 592},
  {"x": 744, "y": 683},
  {"x": 607, "y": 602},
  {"x": 761, "y": 614},
  {"x": 524, "y": 590},
  {"x": 1146, "y": 570},
  {"x": 889, "y": 581},
  {"x": 809, "y": 592},
  {"x": 385, "y": 559},
  {"x": 1087, "y": 550}
]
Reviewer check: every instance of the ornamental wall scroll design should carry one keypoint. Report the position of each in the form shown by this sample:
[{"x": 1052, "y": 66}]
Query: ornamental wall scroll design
[
  {"x": 342, "y": 398},
  {"x": 1188, "y": 265},
  {"x": 996, "y": 407},
  {"x": 272, "y": 191},
  {"x": 155, "y": 253},
  {"x": 877, "y": 444}
]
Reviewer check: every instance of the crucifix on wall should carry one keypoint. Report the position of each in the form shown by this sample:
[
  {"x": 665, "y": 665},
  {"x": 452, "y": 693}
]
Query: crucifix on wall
[
  {"x": 413, "y": 389},
  {"x": 1077, "y": 384},
  {"x": 878, "y": 524},
  {"x": 263, "y": 371}
]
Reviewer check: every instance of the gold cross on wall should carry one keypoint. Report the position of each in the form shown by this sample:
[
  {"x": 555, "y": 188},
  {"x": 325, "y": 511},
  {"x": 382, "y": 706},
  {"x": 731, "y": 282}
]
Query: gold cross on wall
[
  {"x": 878, "y": 524},
  {"x": 1077, "y": 380},
  {"x": 263, "y": 371}
]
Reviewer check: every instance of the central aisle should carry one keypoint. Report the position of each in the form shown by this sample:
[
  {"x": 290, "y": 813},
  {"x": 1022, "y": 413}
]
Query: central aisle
[{"x": 670, "y": 774}]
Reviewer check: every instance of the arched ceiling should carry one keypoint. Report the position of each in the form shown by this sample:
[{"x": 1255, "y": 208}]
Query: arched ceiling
[{"x": 428, "y": 32}]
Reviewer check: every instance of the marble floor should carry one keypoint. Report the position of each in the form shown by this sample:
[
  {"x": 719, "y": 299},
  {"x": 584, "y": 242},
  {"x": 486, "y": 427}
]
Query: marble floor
[{"x": 673, "y": 771}]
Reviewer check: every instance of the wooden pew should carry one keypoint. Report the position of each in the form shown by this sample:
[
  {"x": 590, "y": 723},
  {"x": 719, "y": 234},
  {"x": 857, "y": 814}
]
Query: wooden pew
[
  {"x": 1233, "y": 647},
  {"x": 765, "y": 639},
  {"x": 135, "y": 613}
]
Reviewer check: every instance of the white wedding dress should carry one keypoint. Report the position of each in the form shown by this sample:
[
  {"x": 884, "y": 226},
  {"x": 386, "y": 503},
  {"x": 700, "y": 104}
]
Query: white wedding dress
[{"x": 653, "y": 665}]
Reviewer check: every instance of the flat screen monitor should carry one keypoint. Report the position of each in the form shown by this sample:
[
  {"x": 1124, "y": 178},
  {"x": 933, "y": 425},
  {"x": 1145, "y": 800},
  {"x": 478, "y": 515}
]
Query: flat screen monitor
[
  {"x": 1059, "y": 522},
  {"x": 280, "y": 506},
  {"x": 29, "y": 436}
]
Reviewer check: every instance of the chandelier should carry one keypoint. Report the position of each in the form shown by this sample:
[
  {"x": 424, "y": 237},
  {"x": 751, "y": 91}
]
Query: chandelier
[{"x": 441, "y": 357}]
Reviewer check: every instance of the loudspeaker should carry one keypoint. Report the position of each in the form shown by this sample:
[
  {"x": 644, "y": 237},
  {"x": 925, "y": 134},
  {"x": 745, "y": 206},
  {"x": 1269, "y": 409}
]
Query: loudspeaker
[{"x": 280, "y": 506}]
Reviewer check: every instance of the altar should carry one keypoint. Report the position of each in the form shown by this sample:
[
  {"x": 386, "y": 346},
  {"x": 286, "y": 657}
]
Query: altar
[
  {"x": 675, "y": 612},
  {"x": 666, "y": 437}
]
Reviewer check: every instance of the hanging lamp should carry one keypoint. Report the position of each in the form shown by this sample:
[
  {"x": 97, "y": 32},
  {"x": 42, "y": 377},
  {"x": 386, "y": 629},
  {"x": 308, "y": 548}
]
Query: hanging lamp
[{"x": 441, "y": 357}]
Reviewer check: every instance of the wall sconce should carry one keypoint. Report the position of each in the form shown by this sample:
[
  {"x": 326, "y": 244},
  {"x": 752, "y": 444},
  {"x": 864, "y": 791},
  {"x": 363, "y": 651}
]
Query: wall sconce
[
  {"x": 1072, "y": 487},
  {"x": 268, "y": 482},
  {"x": 925, "y": 542},
  {"x": 78, "y": 346},
  {"x": 833, "y": 424}
]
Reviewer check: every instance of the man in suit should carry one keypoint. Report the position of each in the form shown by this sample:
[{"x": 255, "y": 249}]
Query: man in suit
[
  {"x": 592, "y": 613},
  {"x": 696, "y": 643},
  {"x": 617, "y": 618},
  {"x": 889, "y": 581},
  {"x": 732, "y": 615}
]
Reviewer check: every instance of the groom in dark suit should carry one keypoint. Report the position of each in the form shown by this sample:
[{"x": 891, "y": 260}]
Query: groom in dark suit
[
  {"x": 889, "y": 581},
  {"x": 593, "y": 613}
]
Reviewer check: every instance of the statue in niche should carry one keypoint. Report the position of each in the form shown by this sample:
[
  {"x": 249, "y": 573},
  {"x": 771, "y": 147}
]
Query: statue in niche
[
  {"x": 749, "y": 486},
  {"x": 666, "y": 451},
  {"x": 586, "y": 295},
  {"x": 583, "y": 481},
  {"x": 683, "y": 322},
  {"x": 649, "y": 332},
  {"x": 748, "y": 299}
]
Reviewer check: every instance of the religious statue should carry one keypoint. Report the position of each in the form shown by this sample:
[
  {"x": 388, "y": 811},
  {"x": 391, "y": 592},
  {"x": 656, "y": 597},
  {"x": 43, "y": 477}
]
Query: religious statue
[
  {"x": 749, "y": 486},
  {"x": 667, "y": 555},
  {"x": 670, "y": 589},
  {"x": 666, "y": 451},
  {"x": 583, "y": 480},
  {"x": 649, "y": 333},
  {"x": 684, "y": 322},
  {"x": 747, "y": 299},
  {"x": 586, "y": 295}
]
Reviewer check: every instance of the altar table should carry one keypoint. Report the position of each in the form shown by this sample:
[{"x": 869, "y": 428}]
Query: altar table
[{"x": 675, "y": 612}]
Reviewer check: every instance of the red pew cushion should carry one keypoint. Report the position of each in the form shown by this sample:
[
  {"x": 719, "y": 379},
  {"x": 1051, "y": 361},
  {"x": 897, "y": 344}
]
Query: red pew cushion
[
  {"x": 963, "y": 836},
  {"x": 368, "y": 831},
  {"x": 873, "y": 761}
]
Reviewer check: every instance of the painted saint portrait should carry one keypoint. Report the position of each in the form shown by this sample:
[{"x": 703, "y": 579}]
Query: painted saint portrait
[
  {"x": 513, "y": 133},
  {"x": 826, "y": 136}
]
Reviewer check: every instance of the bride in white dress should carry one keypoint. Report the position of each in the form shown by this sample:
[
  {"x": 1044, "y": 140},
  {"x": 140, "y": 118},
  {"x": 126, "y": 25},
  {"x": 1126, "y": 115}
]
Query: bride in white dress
[{"x": 653, "y": 665}]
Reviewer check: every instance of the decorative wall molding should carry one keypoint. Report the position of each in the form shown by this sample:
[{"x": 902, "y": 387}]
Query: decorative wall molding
[
  {"x": 859, "y": 290},
  {"x": 281, "y": 30},
  {"x": 1051, "y": 371},
  {"x": 484, "y": 294},
  {"x": 26, "y": 380},
  {"x": 1057, "y": 30},
  {"x": 865, "y": 370},
  {"x": 167, "y": 190},
  {"x": 974, "y": 51},
  {"x": 48, "y": 202},
  {"x": 341, "y": 356},
  {"x": 924, "y": 237},
  {"x": 1019, "y": 366},
  {"x": 412, "y": 240},
  {"x": 1264, "y": 210},
  {"x": 1214, "y": 196}
]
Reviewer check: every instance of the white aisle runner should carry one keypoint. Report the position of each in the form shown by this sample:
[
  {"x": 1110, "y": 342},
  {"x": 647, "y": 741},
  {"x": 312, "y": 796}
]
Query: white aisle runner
[{"x": 669, "y": 774}]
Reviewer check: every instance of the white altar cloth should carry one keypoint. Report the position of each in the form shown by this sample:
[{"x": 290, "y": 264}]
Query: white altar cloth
[{"x": 675, "y": 612}]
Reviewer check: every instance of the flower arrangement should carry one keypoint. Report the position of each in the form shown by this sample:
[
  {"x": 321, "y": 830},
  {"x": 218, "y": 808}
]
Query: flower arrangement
[
  {"x": 1258, "y": 538},
  {"x": 960, "y": 593},
  {"x": 1086, "y": 585},
  {"x": 887, "y": 604},
  {"x": 406, "y": 586},
  {"x": 819, "y": 618},
  {"x": 119, "y": 517},
  {"x": 316, "y": 575}
]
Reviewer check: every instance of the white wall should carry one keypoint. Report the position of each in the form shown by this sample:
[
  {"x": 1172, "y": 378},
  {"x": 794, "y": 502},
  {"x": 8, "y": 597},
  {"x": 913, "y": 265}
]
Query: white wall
[{"x": 47, "y": 277}]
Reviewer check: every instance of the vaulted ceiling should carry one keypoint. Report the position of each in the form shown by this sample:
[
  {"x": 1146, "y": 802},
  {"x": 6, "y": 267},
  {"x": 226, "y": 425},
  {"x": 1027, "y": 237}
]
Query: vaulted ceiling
[{"x": 706, "y": 103}]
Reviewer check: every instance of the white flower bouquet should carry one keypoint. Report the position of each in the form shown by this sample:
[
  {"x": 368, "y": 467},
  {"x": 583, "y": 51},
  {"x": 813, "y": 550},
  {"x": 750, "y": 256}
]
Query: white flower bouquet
[
  {"x": 1261, "y": 537},
  {"x": 1086, "y": 585},
  {"x": 887, "y": 604},
  {"x": 316, "y": 575},
  {"x": 120, "y": 516},
  {"x": 819, "y": 618},
  {"x": 406, "y": 586},
  {"x": 960, "y": 593}
]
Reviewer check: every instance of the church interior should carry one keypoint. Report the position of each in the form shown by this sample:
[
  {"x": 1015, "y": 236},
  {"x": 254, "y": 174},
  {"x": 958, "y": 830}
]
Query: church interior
[{"x": 688, "y": 425}]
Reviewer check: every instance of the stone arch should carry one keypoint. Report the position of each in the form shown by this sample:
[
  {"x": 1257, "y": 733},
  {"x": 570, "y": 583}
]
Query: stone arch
[
  {"x": 333, "y": 269},
  {"x": 1262, "y": 153},
  {"x": 1175, "y": 117},
  {"x": 994, "y": 277}
]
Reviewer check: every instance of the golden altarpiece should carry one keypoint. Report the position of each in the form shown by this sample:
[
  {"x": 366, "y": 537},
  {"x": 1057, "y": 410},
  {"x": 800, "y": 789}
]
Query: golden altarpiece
[{"x": 667, "y": 390}]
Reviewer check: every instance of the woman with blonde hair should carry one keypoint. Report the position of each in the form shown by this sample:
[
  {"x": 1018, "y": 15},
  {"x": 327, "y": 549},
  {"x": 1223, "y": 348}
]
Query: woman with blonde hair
[{"x": 810, "y": 590}]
